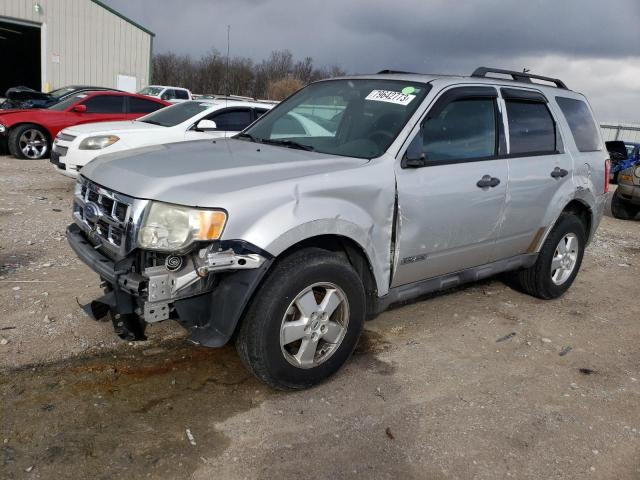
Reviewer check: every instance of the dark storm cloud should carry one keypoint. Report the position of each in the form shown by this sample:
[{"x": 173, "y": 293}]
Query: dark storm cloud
[{"x": 454, "y": 36}]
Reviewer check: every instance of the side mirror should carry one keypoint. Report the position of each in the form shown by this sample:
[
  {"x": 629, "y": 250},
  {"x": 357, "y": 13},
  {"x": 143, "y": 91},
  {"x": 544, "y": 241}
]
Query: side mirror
[
  {"x": 414, "y": 157},
  {"x": 205, "y": 125},
  {"x": 80, "y": 108}
]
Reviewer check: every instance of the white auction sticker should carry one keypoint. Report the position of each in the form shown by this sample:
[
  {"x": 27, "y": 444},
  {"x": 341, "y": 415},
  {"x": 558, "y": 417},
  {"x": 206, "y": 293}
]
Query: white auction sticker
[{"x": 390, "y": 96}]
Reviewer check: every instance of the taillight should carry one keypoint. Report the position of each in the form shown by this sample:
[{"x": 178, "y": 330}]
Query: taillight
[{"x": 607, "y": 169}]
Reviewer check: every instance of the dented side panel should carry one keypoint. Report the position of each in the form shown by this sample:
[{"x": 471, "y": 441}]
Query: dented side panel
[{"x": 356, "y": 203}]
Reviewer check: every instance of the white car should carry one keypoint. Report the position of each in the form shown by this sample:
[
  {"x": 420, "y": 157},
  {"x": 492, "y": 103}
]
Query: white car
[
  {"x": 168, "y": 94},
  {"x": 76, "y": 146}
]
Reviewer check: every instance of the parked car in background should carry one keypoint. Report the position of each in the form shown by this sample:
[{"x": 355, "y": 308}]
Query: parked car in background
[
  {"x": 25, "y": 97},
  {"x": 29, "y": 133},
  {"x": 285, "y": 241},
  {"x": 623, "y": 155},
  {"x": 76, "y": 146},
  {"x": 169, "y": 94},
  {"x": 625, "y": 203}
]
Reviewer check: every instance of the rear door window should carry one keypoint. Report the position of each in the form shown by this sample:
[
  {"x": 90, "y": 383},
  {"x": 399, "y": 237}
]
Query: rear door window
[
  {"x": 532, "y": 129},
  {"x": 581, "y": 122},
  {"x": 140, "y": 105},
  {"x": 105, "y": 104},
  {"x": 232, "y": 120}
]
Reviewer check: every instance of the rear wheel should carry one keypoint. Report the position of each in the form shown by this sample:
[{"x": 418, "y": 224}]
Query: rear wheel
[
  {"x": 30, "y": 142},
  {"x": 558, "y": 262},
  {"x": 304, "y": 321},
  {"x": 621, "y": 209}
]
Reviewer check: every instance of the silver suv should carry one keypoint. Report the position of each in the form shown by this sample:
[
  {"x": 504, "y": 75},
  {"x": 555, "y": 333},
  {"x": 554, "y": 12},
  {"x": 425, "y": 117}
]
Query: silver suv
[{"x": 353, "y": 194}]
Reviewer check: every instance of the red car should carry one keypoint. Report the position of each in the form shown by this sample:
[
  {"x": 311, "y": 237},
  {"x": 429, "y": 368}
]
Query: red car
[{"x": 29, "y": 133}]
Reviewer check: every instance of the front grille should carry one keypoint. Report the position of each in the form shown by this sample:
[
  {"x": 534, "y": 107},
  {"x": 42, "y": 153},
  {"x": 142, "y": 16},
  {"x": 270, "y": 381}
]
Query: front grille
[
  {"x": 66, "y": 137},
  {"x": 103, "y": 214}
]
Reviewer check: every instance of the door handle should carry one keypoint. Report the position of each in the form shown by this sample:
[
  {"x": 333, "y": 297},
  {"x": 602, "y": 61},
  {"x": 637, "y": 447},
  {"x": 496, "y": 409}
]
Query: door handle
[
  {"x": 488, "y": 181},
  {"x": 559, "y": 172}
]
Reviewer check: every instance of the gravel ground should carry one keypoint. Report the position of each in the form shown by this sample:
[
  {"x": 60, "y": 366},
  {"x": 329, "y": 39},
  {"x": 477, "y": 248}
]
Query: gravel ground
[{"x": 479, "y": 382}]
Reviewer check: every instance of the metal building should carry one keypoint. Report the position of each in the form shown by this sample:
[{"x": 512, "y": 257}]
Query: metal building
[
  {"x": 47, "y": 44},
  {"x": 627, "y": 132}
]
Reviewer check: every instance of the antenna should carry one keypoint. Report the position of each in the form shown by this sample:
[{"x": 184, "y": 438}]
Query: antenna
[{"x": 228, "y": 49}]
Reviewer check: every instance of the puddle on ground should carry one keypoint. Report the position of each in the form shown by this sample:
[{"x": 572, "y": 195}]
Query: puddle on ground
[
  {"x": 372, "y": 343},
  {"x": 125, "y": 415},
  {"x": 122, "y": 417}
]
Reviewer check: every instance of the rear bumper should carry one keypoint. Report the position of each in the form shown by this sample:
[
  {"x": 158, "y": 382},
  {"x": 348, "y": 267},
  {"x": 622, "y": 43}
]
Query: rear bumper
[{"x": 208, "y": 306}]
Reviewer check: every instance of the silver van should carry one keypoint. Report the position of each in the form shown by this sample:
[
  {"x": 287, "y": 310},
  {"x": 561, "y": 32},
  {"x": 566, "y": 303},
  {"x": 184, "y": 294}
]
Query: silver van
[{"x": 353, "y": 194}]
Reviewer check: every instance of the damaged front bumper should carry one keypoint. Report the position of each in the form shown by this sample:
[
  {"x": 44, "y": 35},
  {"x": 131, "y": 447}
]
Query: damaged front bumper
[{"x": 206, "y": 290}]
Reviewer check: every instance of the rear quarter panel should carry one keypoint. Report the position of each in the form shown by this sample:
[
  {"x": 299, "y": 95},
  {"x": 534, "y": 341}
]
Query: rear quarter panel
[{"x": 588, "y": 174}]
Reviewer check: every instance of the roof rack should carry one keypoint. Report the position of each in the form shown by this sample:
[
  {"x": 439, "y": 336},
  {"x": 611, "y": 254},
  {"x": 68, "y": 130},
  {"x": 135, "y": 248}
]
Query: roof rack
[
  {"x": 517, "y": 76},
  {"x": 383, "y": 72}
]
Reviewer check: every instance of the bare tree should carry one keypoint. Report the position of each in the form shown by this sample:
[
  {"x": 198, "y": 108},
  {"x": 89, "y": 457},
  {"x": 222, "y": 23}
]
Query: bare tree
[{"x": 209, "y": 74}]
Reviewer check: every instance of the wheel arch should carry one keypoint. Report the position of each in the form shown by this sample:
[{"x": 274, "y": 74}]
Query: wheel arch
[
  {"x": 577, "y": 207},
  {"x": 352, "y": 251}
]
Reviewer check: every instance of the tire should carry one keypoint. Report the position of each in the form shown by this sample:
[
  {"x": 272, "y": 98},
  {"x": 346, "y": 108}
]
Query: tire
[
  {"x": 538, "y": 280},
  {"x": 29, "y": 142},
  {"x": 260, "y": 340},
  {"x": 621, "y": 209}
]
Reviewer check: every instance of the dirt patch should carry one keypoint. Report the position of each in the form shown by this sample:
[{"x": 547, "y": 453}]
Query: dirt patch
[
  {"x": 480, "y": 382},
  {"x": 124, "y": 416}
]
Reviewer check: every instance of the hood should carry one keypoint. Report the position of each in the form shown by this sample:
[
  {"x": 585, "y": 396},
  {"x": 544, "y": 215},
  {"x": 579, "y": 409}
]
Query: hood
[
  {"x": 22, "y": 94},
  {"x": 199, "y": 173},
  {"x": 112, "y": 128},
  {"x": 29, "y": 111}
]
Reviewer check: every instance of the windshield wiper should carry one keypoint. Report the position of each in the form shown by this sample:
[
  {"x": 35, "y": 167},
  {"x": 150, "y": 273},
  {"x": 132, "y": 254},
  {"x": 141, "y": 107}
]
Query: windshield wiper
[
  {"x": 152, "y": 122},
  {"x": 289, "y": 144},
  {"x": 249, "y": 136}
]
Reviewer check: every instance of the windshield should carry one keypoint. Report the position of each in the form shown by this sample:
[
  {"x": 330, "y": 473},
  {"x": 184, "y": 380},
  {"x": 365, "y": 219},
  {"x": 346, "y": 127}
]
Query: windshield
[
  {"x": 175, "y": 114},
  {"x": 66, "y": 103},
  {"x": 61, "y": 92},
  {"x": 357, "y": 118},
  {"x": 155, "y": 91}
]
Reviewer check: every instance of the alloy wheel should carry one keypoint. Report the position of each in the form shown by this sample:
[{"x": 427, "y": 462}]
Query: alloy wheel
[
  {"x": 33, "y": 144},
  {"x": 564, "y": 259},
  {"x": 314, "y": 325}
]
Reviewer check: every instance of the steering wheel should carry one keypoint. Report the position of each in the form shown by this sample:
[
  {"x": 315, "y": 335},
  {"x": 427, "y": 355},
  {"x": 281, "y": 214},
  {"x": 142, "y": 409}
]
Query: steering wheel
[{"x": 380, "y": 137}]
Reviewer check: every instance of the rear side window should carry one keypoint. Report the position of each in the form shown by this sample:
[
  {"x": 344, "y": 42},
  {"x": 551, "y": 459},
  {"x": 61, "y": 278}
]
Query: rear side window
[
  {"x": 181, "y": 94},
  {"x": 531, "y": 128},
  {"x": 140, "y": 105},
  {"x": 581, "y": 123},
  {"x": 464, "y": 129},
  {"x": 105, "y": 104}
]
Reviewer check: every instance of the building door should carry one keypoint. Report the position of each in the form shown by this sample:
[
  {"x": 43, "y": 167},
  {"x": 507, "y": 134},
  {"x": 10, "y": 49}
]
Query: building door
[{"x": 21, "y": 56}]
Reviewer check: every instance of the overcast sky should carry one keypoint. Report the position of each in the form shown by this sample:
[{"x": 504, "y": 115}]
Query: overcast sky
[{"x": 593, "y": 45}]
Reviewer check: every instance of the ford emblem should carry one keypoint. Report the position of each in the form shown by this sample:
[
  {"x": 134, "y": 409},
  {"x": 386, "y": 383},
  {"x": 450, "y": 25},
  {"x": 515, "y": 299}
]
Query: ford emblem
[{"x": 92, "y": 212}]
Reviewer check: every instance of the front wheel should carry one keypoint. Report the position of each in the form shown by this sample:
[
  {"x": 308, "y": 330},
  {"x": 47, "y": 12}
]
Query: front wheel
[
  {"x": 304, "y": 321},
  {"x": 621, "y": 209},
  {"x": 558, "y": 262},
  {"x": 30, "y": 142}
]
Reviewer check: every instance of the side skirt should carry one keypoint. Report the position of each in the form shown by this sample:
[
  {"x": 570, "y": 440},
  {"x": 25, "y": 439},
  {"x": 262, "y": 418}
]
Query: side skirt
[{"x": 410, "y": 291}]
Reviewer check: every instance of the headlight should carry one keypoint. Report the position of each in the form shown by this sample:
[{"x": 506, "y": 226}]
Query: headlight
[
  {"x": 98, "y": 143},
  {"x": 172, "y": 227},
  {"x": 2, "y": 128},
  {"x": 636, "y": 172}
]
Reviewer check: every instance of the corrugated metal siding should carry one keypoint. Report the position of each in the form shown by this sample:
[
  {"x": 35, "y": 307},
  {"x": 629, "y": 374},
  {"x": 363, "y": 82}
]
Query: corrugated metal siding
[
  {"x": 93, "y": 44},
  {"x": 627, "y": 132}
]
